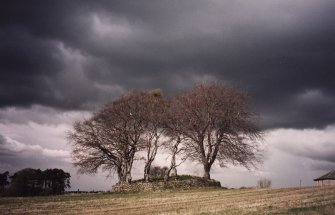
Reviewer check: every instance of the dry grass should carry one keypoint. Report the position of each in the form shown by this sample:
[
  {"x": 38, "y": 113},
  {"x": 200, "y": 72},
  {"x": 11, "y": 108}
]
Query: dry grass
[{"x": 309, "y": 200}]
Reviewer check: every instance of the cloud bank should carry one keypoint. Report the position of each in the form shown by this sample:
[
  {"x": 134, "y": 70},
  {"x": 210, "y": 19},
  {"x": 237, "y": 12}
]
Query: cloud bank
[{"x": 82, "y": 53}]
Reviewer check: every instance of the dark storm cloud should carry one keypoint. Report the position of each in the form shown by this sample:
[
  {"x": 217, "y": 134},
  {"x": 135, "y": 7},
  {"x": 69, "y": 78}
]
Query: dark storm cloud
[{"x": 76, "y": 54}]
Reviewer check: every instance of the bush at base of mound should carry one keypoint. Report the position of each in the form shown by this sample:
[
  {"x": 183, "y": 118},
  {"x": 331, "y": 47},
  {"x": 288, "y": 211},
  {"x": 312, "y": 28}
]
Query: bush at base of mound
[{"x": 182, "y": 182}]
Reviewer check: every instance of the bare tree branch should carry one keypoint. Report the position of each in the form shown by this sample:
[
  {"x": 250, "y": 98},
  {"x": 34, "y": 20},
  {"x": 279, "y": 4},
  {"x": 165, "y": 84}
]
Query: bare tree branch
[{"x": 216, "y": 124}]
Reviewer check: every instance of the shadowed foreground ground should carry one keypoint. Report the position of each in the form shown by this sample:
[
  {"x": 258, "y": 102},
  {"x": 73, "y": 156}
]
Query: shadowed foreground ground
[{"x": 309, "y": 200}]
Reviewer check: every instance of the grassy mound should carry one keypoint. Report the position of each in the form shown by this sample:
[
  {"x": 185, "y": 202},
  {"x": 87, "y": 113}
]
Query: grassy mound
[{"x": 182, "y": 182}]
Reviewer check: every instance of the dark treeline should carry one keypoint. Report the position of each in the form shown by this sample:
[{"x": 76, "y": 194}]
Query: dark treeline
[{"x": 32, "y": 182}]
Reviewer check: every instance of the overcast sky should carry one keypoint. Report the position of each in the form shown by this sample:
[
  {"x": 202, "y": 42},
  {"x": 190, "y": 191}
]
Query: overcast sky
[{"x": 60, "y": 60}]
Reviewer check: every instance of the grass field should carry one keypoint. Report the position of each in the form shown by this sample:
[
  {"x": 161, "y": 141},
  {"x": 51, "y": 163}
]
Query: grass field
[{"x": 308, "y": 200}]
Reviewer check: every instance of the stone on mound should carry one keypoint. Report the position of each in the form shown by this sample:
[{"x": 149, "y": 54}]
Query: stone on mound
[{"x": 162, "y": 185}]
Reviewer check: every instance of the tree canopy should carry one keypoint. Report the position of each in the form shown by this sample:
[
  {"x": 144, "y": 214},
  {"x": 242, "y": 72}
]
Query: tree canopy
[
  {"x": 112, "y": 136},
  {"x": 4, "y": 181},
  {"x": 208, "y": 123},
  {"x": 32, "y": 182},
  {"x": 217, "y": 125}
]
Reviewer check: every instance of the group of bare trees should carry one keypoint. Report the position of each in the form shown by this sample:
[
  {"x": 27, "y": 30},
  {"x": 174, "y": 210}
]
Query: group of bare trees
[{"x": 208, "y": 123}]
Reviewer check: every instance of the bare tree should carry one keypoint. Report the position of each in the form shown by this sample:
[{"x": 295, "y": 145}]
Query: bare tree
[
  {"x": 157, "y": 171},
  {"x": 110, "y": 138},
  {"x": 217, "y": 125},
  {"x": 174, "y": 150},
  {"x": 264, "y": 183},
  {"x": 175, "y": 145},
  {"x": 154, "y": 112}
]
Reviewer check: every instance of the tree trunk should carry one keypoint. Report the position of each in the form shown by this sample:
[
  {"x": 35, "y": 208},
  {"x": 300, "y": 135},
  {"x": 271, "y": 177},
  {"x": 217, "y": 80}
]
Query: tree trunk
[
  {"x": 128, "y": 177},
  {"x": 122, "y": 176},
  {"x": 129, "y": 167},
  {"x": 119, "y": 174},
  {"x": 173, "y": 168},
  {"x": 147, "y": 172},
  {"x": 207, "y": 169},
  {"x": 151, "y": 154},
  {"x": 173, "y": 171},
  {"x": 124, "y": 171},
  {"x": 166, "y": 175}
]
